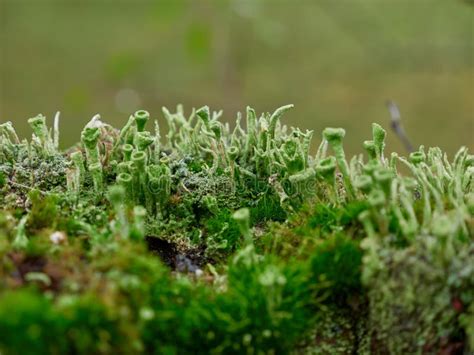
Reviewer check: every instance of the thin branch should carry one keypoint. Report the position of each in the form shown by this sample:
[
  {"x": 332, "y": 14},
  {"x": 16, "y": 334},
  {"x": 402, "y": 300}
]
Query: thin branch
[
  {"x": 56, "y": 131},
  {"x": 396, "y": 124}
]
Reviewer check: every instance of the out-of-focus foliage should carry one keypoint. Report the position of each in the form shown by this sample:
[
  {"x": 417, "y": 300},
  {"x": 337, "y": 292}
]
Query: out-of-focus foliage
[{"x": 338, "y": 62}]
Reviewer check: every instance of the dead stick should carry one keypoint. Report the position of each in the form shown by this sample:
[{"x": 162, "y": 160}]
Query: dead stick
[{"x": 396, "y": 124}]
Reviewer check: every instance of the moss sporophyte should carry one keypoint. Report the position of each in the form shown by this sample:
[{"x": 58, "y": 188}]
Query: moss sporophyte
[{"x": 265, "y": 240}]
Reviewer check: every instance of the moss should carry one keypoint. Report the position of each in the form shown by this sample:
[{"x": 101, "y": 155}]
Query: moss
[
  {"x": 223, "y": 231},
  {"x": 75, "y": 325},
  {"x": 267, "y": 247},
  {"x": 324, "y": 217},
  {"x": 467, "y": 321},
  {"x": 267, "y": 208},
  {"x": 29, "y": 325},
  {"x": 327, "y": 218},
  {"x": 252, "y": 314},
  {"x": 338, "y": 261},
  {"x": 44, "y": 211}
]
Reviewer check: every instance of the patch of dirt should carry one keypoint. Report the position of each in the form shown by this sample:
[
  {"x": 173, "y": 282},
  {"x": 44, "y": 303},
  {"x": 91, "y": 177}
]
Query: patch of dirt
[
  {"x": 189, "y": 261},
  {"x": 25, "y": 265}
]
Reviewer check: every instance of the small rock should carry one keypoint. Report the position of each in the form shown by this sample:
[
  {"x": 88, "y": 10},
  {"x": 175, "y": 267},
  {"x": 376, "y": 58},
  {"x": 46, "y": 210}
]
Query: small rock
[{"x": 57, "y": 237}]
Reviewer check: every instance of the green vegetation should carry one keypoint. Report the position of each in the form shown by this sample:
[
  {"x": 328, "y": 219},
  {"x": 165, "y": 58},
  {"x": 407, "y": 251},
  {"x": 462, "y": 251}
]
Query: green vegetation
[{"x": 207, "y": 238}]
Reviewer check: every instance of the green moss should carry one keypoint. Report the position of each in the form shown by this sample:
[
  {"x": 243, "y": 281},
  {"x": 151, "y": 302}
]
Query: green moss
[
  {"x": 267, "y": 247},
  {"x": 255, "y": 313},
  {"x": 223, "y": 232},
  {"x": 90, "y": 326},
  {"x": 338, "y": 261},
  {"x": 267, "y": 208},
  {"x": 326, "y": 219},
  {"x": 44, "y": 211},
  {"x": 29, "y": 325},
  {"x": 323, "y": 218}
]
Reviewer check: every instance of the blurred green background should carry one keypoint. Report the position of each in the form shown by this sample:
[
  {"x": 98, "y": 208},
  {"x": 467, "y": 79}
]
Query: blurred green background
[{"x": 338, "y": 61}]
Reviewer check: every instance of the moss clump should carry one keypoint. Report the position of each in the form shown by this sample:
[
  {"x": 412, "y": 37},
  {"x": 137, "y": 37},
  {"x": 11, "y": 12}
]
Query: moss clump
[
  {"x": 256, "y": 311},
  {"x": 338, "y": 261},
  {"x": 223, "y": 231},
  {"x": 28, "y": 324},
  {"x": 44, "y": 211},
  {"x": 264, "y": 247}
]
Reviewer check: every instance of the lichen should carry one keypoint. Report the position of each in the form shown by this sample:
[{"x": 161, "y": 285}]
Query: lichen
[{"x": 202, "y": 238}]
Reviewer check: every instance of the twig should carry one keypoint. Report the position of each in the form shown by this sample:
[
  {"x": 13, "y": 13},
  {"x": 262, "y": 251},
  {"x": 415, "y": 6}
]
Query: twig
[
  {"x": 396, "y": 125},
  {"x": 56, "y": 131}
]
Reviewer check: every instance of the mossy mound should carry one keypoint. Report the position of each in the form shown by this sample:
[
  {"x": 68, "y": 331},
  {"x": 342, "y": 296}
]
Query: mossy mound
[{"x": 212, "y": 239}]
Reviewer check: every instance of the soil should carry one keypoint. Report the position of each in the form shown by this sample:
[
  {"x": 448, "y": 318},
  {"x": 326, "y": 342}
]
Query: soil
[{"x": 190, "y": 261}]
